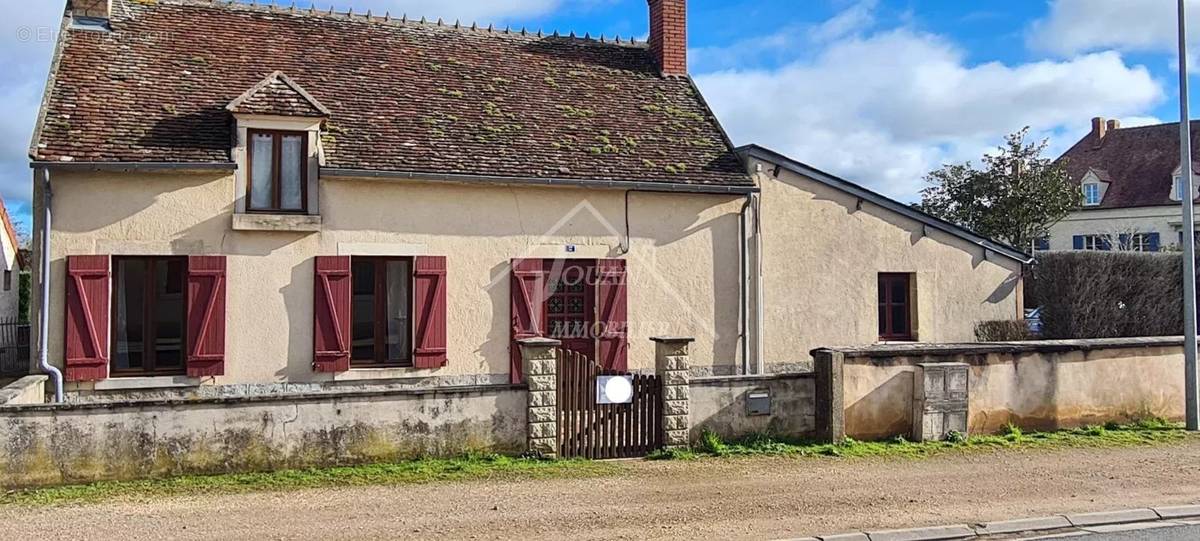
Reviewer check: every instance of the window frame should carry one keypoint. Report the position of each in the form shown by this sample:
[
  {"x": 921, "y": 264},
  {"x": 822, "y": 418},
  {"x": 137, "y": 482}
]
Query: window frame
[
  {"x": 276, "y": 171},
  {"x": 1094, "y": 243},
  {"x": 1090, "y": 189},
  {"x": 380, "y": 359},
  {"x": 887, "y": 332},
  {"x": 149, "y": 353}
]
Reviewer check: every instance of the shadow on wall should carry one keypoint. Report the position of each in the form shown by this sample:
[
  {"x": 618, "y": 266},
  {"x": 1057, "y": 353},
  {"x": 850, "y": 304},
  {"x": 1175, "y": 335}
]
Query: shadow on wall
[{"x": 884, "y": 412}]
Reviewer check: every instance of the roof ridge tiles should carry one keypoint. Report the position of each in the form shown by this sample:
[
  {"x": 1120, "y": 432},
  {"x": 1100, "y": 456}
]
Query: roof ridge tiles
[{"x": 387, "y": 19}]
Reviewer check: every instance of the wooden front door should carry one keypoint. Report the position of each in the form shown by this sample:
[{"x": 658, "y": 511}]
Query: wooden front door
[{"x": 571, "y": 306}]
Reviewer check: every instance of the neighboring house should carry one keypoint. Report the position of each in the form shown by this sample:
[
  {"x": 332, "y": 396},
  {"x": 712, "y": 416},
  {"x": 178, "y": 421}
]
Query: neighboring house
[
  {"x": 255, "y": 195},
  {"x": 13, "y": 264},
  {"x": 1130, "y": 189}
]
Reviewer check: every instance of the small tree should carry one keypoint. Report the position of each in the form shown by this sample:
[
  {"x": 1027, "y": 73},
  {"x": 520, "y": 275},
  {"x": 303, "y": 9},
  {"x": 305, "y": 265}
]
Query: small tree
[{"x": 1015, "y": 197}]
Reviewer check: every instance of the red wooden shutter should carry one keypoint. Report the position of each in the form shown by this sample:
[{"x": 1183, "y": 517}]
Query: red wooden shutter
[
  {"x": 206, "y": 316},
  {"x": 528, "y": 292},
  {"x": 612, "y": 305},
  {"x": 331, "y": 314},
  {"x": 87, "y": 317},
  {"x": 429, "y": 312}
]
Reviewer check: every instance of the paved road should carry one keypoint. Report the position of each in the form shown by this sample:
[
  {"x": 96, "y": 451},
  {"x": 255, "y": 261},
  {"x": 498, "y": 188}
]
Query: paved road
[
  {"x": 761, "y": 498},
  {"x": 1156, "y": 533}
]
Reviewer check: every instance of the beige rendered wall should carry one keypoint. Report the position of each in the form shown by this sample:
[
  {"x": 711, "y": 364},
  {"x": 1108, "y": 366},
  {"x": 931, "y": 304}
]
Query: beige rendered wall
[
  {"x": 683, "y": 262},
  {"x": 1164, "y": 220},
  {"x": 1036, "y": 390},
  {"x": 822, "y": 257}
]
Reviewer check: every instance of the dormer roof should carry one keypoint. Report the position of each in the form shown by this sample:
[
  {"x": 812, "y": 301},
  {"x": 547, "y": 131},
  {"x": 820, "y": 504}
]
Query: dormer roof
[{"x": 278, "y": 95}]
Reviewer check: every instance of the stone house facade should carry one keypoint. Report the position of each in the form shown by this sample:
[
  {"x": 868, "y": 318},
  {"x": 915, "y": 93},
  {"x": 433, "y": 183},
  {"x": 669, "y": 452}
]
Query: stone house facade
[{"x": 220, "y": 213}]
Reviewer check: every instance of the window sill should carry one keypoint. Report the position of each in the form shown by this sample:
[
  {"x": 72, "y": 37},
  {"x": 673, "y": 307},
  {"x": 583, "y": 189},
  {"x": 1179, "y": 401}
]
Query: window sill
[
  {"x": 394, "y": 372},
  {"x": 276, "y": 222},
  {"x": 145, "y": 382}
]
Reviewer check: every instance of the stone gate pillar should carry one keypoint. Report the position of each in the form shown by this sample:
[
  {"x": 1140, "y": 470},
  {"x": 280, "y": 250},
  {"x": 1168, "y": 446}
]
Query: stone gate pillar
[
  {"x": 539, "y": 362},
  {"x": 672, "y": 365}
]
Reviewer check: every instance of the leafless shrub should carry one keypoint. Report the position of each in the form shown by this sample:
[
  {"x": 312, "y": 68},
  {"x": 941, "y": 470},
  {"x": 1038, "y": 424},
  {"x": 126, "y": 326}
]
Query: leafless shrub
[
  {"x": 1107, "y": 294},
  {"x": 1004, "y": 330}
]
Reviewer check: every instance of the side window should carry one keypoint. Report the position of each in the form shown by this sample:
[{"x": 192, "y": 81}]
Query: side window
[
  {"x": 278, "y": 165},
  {"x": 895, "y": 307}
]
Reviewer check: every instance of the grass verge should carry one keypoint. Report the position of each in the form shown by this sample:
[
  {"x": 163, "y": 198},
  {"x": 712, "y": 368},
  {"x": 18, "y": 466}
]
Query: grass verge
[
  {"x": 411, "y": 472},
  {"x": 1146, "y": 432}
]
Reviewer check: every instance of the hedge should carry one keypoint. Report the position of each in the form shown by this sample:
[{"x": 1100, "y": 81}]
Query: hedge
[{"x": 1107, "y": 294}]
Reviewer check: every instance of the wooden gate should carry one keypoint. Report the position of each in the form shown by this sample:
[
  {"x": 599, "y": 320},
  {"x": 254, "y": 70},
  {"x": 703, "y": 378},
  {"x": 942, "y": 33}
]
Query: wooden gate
[{"x": 590, "y": 430}]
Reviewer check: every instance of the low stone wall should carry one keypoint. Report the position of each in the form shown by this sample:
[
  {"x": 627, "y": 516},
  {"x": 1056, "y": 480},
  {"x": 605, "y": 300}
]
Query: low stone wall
[
  {"x": 720, "y": 404},
  {"x": 1039, "y": 385},
  {"x": 52, "y": 444},
  {"x": 25, "y": 391}
]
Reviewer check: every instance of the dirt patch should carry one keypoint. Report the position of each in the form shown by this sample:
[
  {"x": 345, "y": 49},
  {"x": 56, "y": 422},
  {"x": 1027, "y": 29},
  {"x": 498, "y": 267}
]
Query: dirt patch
[{"x": 744, "y": 498}]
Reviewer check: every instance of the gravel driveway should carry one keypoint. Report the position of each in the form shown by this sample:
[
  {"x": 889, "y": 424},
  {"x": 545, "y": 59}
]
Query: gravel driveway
[{"x": 759, "y": 498}]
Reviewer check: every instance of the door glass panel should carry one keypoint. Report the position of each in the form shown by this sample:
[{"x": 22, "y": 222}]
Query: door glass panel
[
  {"x": 398, "y": 310},
  {"x": 130, "y": 310},
  {"x": 291, "y": 162},
  {"x": 899, "y": 290},
  {"x": 168, "y": 313},
  {"x": 363, "y": 310},
  {"x": 262, "y": 171},
  {"x": 899, "y": 320}
]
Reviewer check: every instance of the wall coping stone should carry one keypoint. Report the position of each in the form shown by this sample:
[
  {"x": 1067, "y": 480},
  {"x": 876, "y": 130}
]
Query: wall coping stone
[
  {"x": 17, "y": 388},
  {"x": 672, "y": 339},
  {"x": 317, "y": 396},
  {"x": 539, "y": 341},
  {"x": 984, "y": 348},
  {"x": 724, "y": 380}
]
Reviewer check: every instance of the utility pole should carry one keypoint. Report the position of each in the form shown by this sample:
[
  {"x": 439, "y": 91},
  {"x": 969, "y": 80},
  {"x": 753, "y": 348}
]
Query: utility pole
[{"x": 1189, "y": 238}]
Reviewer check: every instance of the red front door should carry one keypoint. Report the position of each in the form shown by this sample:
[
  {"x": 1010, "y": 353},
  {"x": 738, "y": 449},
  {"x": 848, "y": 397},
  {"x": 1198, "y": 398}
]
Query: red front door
[{"x": 571, "y": 306}]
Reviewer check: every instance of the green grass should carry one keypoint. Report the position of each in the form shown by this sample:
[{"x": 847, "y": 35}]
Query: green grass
[
  {"x": 1147, "y": 432},
  {"x": 411, "y": 472}
]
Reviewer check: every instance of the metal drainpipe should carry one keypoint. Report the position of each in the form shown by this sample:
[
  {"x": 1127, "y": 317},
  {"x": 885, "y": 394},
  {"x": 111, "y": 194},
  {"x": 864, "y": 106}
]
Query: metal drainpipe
[
  {"x": 44, "y": 312},
  {"x": 744, "y": 278},
  {"x": 758, "y": 280}
]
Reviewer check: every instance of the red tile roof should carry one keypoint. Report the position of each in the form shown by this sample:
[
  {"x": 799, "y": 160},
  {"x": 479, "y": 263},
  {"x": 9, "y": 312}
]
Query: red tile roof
[
  {"x": 403, "y": 96},
  {"x": 1139, "y": 163}
]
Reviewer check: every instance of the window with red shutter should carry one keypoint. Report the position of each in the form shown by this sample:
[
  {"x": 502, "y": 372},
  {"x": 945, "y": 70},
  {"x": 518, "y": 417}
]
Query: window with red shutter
[
  {"x": 149, "y": 315},
  {"x": 612, "y": 306},
  {"x": 86, "y": 350},
  {"x": 331, "y": 314},
  {"x": 528, "y": 293},
  {"x": 206, "y": 316},
  {"x": 429, "y": 307}
]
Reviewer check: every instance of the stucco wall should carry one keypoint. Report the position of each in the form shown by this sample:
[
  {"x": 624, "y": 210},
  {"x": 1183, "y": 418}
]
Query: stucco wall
[
  {"x": 822, "y": 256},
  {"x": 1164, "y": 220},
  {"x": 683, "y": 263},
  {"x": 719, "y": 404},
  {"x": 87, "y": 442},
  {"x": 1035, "y": 385}
]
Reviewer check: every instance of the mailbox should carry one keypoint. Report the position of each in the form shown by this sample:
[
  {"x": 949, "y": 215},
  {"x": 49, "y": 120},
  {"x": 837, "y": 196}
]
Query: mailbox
[{"x": 758, "y": 402}]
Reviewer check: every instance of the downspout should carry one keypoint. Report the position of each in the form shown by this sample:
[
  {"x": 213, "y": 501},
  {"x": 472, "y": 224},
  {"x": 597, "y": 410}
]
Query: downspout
[
  {"x": 44, "y": 311},
  {"x": 744, "y": 278},
  {"x": 758, "y": 281}
]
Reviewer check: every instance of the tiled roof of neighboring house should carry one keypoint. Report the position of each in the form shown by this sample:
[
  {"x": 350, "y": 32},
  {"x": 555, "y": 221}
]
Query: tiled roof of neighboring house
[
  {"x": 11, "y": 231},
  {"x": 1139, "y": 163},
  {"x": 402, "y": 96},
  {"x": 882, "y": 201}
]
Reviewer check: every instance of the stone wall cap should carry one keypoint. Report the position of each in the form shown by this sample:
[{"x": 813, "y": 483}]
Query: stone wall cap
[
  {"x": 539, "y": 341},
  {"x": 983, "y": 348},
  {"x": 672, "y": 339}
]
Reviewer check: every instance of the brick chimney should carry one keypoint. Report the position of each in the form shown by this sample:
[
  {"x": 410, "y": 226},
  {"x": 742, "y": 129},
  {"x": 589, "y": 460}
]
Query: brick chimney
[
  {"x": 1114, "y": 124},
  {"x": 1099, "y": 128},
  {"x": 97, "y": 9},
  {"x": 668, "y": 35}
]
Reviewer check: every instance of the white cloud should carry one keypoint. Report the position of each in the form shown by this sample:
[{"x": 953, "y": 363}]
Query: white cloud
[
  {"x": 1075, "y": 26},
  {"x": 885, "y": 108}
]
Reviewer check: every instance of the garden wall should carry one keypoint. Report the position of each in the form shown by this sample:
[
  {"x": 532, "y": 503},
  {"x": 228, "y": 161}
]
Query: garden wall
[
  {"x": 720, "y": 404},
  {"x": 867, "y": 393}
]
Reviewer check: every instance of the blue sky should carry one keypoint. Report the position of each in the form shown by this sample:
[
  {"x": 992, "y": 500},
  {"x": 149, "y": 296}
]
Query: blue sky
[{"x": 879, "y": 91}]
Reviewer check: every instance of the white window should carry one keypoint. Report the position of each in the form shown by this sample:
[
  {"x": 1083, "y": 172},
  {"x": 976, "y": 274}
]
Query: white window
[
  {"x": 1179, "y": 189},
  {"x": 1091, "y": 194},
  {"x": 1095, "y": 242},
  {"x": 1138, "y": 242}
]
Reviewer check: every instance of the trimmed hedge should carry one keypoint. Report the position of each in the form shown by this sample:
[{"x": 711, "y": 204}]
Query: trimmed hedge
[
  {"x": 1107, "y": 294},
  {"x": 1002, "y": 330}
]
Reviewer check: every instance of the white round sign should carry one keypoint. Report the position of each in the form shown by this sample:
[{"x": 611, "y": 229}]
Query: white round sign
[{"x": 618, "y": 390}]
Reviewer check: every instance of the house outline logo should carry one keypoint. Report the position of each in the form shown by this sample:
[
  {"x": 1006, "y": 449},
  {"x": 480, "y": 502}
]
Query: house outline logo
[{"x": 701, "y": 325}]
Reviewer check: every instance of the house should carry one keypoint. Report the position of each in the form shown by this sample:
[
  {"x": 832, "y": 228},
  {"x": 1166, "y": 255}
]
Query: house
[
  {"x": 13, "y": 264},
  {"x": 256, "y": 197},
  {"x": 1130, "y": 189}
]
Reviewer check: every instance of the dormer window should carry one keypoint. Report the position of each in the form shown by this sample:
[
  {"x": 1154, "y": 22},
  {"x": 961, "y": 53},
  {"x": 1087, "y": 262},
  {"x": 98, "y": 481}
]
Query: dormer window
[
  {"x": 278, "y": 165},
  {"x": 1177, "y": 193},
  {"x": 1091, "y": 194}
]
